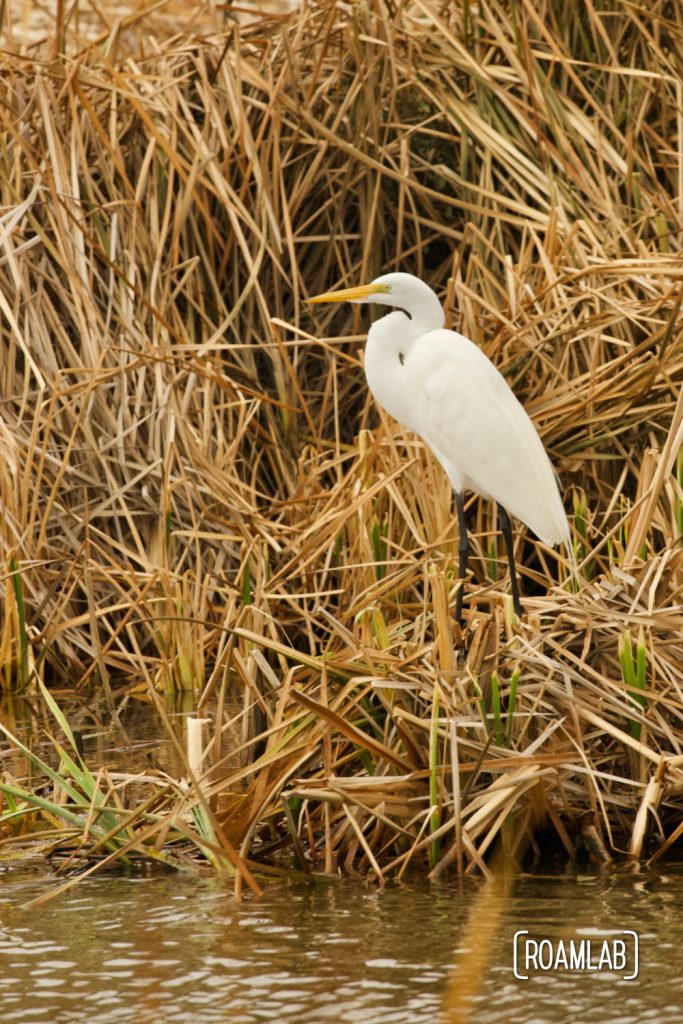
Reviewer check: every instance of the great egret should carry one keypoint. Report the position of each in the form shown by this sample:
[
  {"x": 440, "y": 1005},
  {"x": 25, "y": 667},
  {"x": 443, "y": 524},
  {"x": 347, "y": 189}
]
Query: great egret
[{"x": 440, "y": 385}]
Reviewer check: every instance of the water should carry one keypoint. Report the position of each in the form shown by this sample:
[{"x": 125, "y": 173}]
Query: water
[{"x": 164, "y": 949}]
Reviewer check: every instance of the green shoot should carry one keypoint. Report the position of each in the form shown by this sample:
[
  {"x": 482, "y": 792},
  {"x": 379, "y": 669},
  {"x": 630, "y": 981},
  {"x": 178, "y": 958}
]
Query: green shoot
[
  {"x": 634, "y": 675},
  {"x": 379, "y": 548},
  {"x": 492, "y": 555},
  {"x": 246, "y": 585},
  {"x": 512, "y": 700},
  {"x": 22, "y": 659},
  {"x": 435, "y": 819}
]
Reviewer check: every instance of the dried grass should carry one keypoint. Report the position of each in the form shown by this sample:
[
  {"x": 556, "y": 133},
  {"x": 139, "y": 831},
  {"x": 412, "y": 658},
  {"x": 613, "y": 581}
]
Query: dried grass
[{"x": 198, "y": 493}]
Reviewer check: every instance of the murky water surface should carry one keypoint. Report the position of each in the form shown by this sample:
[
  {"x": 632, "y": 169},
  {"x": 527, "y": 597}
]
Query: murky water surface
[{"x": 181, "y": 949}]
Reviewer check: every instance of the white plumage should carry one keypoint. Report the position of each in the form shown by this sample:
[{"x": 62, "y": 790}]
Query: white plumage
[
  {"x": 440, "y": 385},
  {"x": 483, "y": 438}
]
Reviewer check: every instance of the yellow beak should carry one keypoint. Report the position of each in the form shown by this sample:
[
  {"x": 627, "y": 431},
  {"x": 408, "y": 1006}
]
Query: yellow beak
[{"x": 361, "y": 291}]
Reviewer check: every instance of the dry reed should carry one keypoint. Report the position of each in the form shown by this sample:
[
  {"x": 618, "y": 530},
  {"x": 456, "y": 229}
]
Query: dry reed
[{"x": 198, "y": 494}]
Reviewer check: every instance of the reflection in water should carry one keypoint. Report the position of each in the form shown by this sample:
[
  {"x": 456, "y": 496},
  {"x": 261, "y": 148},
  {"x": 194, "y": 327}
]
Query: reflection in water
[
  {"x": 181, "y": 949},
  {"x": 137, "y": 741},
  {"x": 487, "y": 912}
]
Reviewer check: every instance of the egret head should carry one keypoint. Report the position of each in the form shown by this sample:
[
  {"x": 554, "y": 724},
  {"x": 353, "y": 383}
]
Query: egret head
[{"x": 402, "y": 291}]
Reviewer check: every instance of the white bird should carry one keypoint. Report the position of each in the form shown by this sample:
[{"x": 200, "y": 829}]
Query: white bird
[{"x": 438, "y": 384}]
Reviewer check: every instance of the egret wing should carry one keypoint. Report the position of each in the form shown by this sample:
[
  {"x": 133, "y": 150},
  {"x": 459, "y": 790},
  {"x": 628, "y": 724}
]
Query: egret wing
[{"x": 481, "y": 434}]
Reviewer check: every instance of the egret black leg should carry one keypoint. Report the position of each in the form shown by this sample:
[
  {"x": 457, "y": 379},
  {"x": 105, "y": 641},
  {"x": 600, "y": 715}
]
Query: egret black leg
[
  {"x": 507, "y": 534},
  {"x": 463, "y": 551}
]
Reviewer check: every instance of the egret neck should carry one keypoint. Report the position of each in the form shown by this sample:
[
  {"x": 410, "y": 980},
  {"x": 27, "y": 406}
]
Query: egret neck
[{"x": 391, "y": 338}]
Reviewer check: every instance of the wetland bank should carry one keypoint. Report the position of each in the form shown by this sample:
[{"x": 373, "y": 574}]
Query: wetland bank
[{"x": 201, "y": 504}]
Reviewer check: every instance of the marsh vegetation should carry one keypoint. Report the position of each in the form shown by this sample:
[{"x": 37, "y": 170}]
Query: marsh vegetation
[{"x": 199, "y": 497}]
